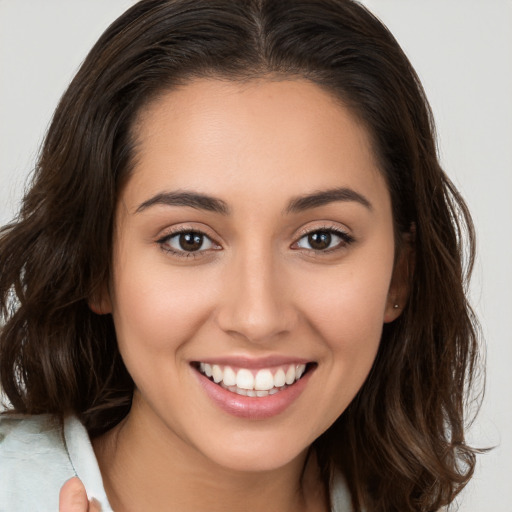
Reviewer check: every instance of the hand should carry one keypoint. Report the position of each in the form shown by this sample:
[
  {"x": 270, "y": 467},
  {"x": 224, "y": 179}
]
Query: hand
[{"x": 73, "y": 498}]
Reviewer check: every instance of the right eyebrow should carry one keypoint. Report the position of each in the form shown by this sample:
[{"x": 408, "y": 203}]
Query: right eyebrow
[
  {"x": 184, "y": 198},
  {"x": 323, "y": 197}
]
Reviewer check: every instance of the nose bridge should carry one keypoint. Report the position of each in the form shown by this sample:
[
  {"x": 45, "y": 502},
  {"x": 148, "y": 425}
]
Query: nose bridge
[{"x": 256, "y": 307}]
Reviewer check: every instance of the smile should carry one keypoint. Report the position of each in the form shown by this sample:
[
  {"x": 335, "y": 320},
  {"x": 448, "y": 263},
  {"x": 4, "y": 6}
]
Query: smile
[
  {"x": 254, "y": 390},
  {"x": 253, "y": 383}
]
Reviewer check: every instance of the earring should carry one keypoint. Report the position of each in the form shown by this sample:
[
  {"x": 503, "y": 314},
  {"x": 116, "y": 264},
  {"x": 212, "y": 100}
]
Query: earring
[{"x": 395, "y": 306}]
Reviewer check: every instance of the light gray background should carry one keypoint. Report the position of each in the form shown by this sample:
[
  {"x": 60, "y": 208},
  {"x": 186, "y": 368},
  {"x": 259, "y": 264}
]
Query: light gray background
[{"x": 462, "y": 50}]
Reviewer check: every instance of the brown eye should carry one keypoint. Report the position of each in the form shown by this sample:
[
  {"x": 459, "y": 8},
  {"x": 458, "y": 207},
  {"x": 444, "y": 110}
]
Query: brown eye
[
  {"x": 190, "y": 241},
  {"x": 319, "y": 240},
  {"x": 187, "y": 242},
  {"x": 323, "y": 240}
]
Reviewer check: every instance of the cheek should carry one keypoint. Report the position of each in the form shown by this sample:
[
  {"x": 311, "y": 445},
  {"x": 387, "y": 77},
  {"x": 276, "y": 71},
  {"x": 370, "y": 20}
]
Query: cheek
[
  {"x": 157, "y": 308},
  {"x": 346, "y": 305},
  {"x": 348, "y": 323},
  {"x": 346, "y": 311}
]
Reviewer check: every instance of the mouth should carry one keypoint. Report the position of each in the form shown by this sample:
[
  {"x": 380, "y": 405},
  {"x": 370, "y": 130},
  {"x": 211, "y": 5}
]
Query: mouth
[{"x": 257, "y": 383}]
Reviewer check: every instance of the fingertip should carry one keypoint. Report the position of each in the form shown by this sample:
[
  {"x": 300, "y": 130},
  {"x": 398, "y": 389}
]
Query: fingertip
[
  {"x": 73, "y": 497},
  {"x": 94, "y": 505}
]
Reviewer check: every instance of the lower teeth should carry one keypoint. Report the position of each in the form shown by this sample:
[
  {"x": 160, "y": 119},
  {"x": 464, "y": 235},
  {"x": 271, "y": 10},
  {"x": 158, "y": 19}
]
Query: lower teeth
[{"x": 252, "y": 392}]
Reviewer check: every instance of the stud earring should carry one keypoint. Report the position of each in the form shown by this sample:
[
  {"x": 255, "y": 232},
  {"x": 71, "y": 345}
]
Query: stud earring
[{"x": 395, "y": 306}]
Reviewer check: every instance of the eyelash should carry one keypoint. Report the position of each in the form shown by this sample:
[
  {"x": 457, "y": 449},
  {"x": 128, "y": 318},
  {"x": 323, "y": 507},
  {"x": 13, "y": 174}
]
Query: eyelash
[
  {"x": 164, "y": 243},
  {"x": 345, "y": 240}
]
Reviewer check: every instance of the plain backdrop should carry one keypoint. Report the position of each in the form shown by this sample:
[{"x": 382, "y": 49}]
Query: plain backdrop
[{"x": 462, "y": 50}]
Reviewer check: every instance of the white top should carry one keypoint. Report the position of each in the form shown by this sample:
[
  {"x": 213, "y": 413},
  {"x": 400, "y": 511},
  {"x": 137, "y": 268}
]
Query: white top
[{"x": 39, "y": 453}]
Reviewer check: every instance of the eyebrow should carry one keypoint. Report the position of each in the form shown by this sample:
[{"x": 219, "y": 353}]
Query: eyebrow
[
  {"x": 184, "y": 198},
  {"x": 324, "y": 197},
  {"x": 212, "y": 204}
]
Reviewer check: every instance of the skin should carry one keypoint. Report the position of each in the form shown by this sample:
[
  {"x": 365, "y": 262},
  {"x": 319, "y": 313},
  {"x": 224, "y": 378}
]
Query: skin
[
  {"x": 73, "y": 498},
  {"x": 258, "y": 289}
]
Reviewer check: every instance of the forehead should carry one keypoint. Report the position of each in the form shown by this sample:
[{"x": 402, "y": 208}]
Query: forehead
[{"x": 257, "y": 137}]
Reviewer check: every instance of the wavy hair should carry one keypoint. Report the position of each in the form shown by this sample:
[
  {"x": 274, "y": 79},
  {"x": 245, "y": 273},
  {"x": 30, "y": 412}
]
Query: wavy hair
[{"x": 400, "y": 443}]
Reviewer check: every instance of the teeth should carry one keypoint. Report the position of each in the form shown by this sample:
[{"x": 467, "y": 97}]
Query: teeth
[
  {"x": 299, "y": 371},
  {"x": 245, "y": 382},
  {"x": 290, "y": 375},
  {"x": 245, "y": 379},
  {"x": 250, "y": 392},
  {"x": 229, "y": 376},
  {"x": 264, "y": 380},
  {"x": 217, "y": 373},
  {"x": 279, "y": 378}
]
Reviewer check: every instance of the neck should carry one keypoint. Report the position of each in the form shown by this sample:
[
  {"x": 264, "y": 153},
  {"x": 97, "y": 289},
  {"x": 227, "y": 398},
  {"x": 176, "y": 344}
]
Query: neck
[{"x": 145, "y": 466}]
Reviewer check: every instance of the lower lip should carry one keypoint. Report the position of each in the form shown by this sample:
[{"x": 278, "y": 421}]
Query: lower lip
[{"x": 254, "y": 408}]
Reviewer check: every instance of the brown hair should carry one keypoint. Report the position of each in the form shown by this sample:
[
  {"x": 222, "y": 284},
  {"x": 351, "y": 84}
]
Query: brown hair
[{"x": 400, "y": 443}]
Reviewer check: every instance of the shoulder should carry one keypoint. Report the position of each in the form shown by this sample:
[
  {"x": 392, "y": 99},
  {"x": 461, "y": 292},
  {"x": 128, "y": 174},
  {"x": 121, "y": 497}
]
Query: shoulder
[
  {"x": 340, "y": 495},
  {"x": 34, "y": 462}
]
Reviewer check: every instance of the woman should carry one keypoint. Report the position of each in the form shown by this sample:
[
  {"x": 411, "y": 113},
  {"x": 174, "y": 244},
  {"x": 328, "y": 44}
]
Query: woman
[{"x": 239, "y": 267}]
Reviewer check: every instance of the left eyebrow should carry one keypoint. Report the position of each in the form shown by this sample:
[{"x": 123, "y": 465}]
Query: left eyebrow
[
  {"x": 186, "y": 198},
  {"x": 324, "y": 197}
]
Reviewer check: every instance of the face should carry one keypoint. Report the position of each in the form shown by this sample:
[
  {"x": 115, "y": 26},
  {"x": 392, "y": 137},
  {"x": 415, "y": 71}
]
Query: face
[{"x": 253, "y": 268}]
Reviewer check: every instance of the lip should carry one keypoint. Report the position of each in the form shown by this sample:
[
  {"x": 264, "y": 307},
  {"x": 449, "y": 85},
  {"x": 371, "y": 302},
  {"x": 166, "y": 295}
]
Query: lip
[
  {"x": 253, "y": 408},
  {"x": 254, "y": 364}
]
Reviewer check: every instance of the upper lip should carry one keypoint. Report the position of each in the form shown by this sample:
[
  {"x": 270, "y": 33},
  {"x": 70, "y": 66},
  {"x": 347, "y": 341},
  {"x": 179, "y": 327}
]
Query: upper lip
[{"x": 252, "y": 362}]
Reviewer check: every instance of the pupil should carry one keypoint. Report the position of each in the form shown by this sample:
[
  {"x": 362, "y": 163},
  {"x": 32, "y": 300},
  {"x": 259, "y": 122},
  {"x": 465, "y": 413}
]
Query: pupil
[
  {"x": 319, "y": 240},
  {"x": 191, "y": 241}
]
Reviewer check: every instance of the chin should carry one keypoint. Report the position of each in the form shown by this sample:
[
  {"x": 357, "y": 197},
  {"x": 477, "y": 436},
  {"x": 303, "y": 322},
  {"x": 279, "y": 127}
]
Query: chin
[{"x": 264, "y": 453}]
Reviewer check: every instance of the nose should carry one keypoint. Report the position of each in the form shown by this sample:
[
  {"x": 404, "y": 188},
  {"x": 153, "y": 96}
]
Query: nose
[{"x": 257, "y": 303}]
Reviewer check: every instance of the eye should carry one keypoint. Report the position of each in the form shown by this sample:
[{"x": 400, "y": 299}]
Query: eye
[
  {"x": 187, "y": 242},
  {"x": 324, "y": 240}
]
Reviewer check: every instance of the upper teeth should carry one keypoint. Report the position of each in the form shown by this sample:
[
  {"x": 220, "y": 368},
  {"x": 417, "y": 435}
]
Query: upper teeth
[{"x": 262, "y": 380}]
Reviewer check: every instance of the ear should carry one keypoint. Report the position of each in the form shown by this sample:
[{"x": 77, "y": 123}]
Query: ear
[
  {"x": 401, "y": 280},
  {"x": 100, "y": 302}
]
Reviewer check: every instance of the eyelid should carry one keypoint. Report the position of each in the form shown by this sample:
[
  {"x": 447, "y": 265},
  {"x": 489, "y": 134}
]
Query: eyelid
[
  {"x": 181, "y": 229},
  {"x": 335, "y": 229}
]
